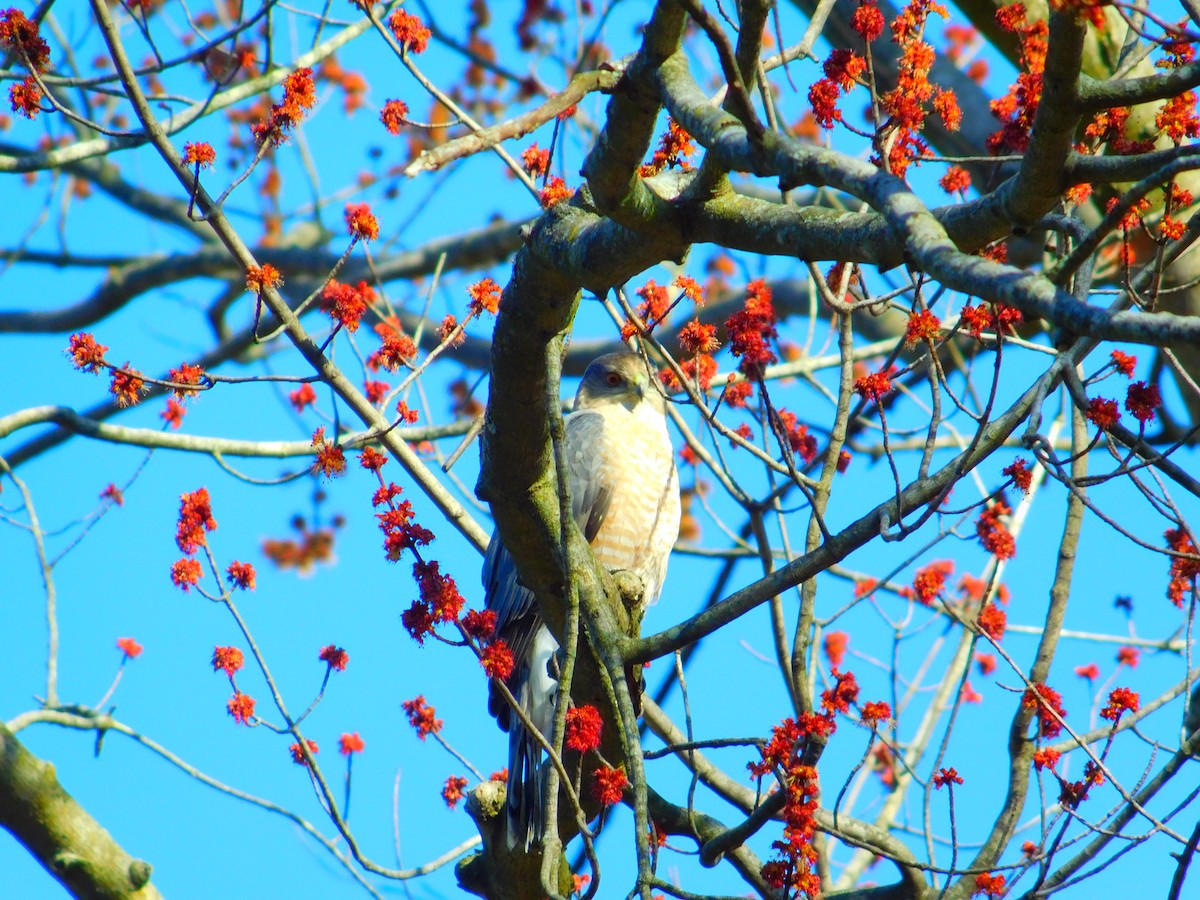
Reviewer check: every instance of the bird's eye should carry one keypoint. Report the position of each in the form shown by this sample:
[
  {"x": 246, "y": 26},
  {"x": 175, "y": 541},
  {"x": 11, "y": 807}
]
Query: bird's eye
[{"x": 612, "y": 379}]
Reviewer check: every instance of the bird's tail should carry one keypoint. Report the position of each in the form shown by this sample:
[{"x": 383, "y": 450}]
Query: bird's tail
[{"x": 525, "y": 788}]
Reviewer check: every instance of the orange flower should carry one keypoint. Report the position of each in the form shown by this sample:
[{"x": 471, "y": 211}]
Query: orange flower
[
  {"x": 497, "y": 660},
  {"x": 555, "y": 191},
  {"x": 1044, "y": 758},
  {"x": 360, "y": 220},
  {"x": 330, "y": 458},
  {"x": 421, "y": 717},
  {"x": 195, "y": 518},
  {"x": 350, "y": 743},
  {"x": 26, "y": 98},
  {"x": 302, "y": 397},
  {"x": 1046, "y": 701},
  {"x": 199, "y": 154},
  {"x": 126, "y": 385},
  {"x": 535, "y": 161},
  {"x": 875, "y": 711},
  {"x": 185, "y": 573},
  {"x": 873, "y": 386},
  {"x": 241, "y": 575},
  {"x": 394, "y": 115},
  {"x": 1120, "y": 701},
  {"x": 485, "y": 295},
  {"x": 695, "y": 337},
  {"x": 259, "y": 278},
  {"x": 990, "y": 885},
  {"x": 334, "y": 657},
  {"x": 131, "y": 648},
  {"x": 86, "y": 354},
  {"x": 227, "y": 659},
  {"x": 452, "y": 790},
  {"x": 1021, "y": 477},
  {"x": 834, "y": 645},
  {"x": 241, "y": 707},
  {"x": 410, "y": 31},
  {"x": 298, "y": 754}
]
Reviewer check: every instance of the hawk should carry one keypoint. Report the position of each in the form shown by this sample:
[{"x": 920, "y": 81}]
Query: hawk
[{"x": 625, "y": 500}]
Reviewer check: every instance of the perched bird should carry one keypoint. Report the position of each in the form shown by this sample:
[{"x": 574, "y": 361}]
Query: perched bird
[{"x": 625, "y": 500}]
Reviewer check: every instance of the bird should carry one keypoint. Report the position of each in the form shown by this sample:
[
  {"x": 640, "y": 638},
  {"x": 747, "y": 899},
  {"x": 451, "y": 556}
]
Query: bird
[{"x": 625, "y": 499}]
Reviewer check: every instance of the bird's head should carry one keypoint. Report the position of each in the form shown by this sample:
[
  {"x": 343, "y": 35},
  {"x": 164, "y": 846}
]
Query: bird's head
[{"x": 619, "y": 377}]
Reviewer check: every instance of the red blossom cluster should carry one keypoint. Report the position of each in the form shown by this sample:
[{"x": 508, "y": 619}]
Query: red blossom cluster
[
  {"x": 298, "y": 754},
  {"x": 331, "y": 459},
  {"x": 1142, "y": 400},
  {"x": 334, "y": 657},
  {"x": 1120, "y": 701},
  {"x": 608, "y": 784},
  {"x": 555, "y": 191},
  {"x": 535, "y": 161},
  {"x": 410, "y": 31},
  {"x": 988, "y": 885},
  {"x": 394, "y": 115},
  {"x": 299, "y": 96},
  {"x": 943, "y": 777},
  {"x": 873, "y": 386},
  {"x": 1021, "y": 477},
  {"x": 1184, "y": 569},
  {"x": 795, "y": 858},
  {"x": 131, "y": 648},
  {"x": 1091, "y": 671},
  {"x": 996, "y": 318},
  {"x": 993, "y": 534},
  {"x": 361, "y": 222},
  {"x": 199, "y": 154},
  {"x": 1047, "y": 703},
  {"x": 834, "y": 644},
  {"x": 1103, "y": 413},
  {"x": 1017, "y": 108},
  {"x": 752, "y": 328},
  {"x": 923, "y": 327},
  {"x": 351, "y": 743},
  {"x": 20, "y": 36},
  {"x": 86, "y": 354},
  {"x": 396, "y": 350},
  {"x": 497, "y": 660},
  {"x": 347, "y": 304},
  {"x": 992, "y": 621},
  {"x": 485, "y": 295},
  {"x": 454, "y": 790},
  {"x": 241, "y": 707},
  {"x": 930, "y": 580},
  {"x": 228, "y": 660},
  {"x": 421, "y": 717},
  {"x": 674, "y": 147},
  {"x": 195, "y": 518},
  {"x": 584, "y": 725},
  {"x": 241, "y": 575},
  {"x": 259, "y": 278}
]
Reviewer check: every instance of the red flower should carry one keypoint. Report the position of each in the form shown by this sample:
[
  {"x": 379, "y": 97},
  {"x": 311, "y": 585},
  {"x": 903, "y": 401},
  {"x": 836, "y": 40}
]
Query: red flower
[
  {"x": 1120, "y": 701},
  {"x": 113, "y": 493},
  {"x": 421, "y": 717},
  {"x": 834, "y": 644},
  {"x": 479, "y": 624},
  {"x": 1021, "y": 477},
  {"x": 946, "y": 776},
  {"x": 874, "y": 712},
  {"x": 584, "y": 725},
  {"x": 371, "y": 459},
  {"x": 1047, "y": 757},
  {"x": 259, "y": 278},
  {"x": 608, "y": 784},
  {"x": 131, "y": 648},
  {"x": 20, "y": 35},
  {"x": 417, "y": 620},
  {"x": 1091, "y": 671},
  {"x": 751, "y": 329},
  {"x": 298, "y": 754},
  {"x": 174, "y": 413},
  {"x": 86, "y": 354},
  {"x": 922, "y": 327},
  {"x": 334, "y": 657},
  {"x": 1128, "y": 656},
  {"x": 452, "y": 791},
  {"x": 992, "y": 621},
  {"x": 302, "y": 397},
  {"x": 346, "y": 304},
  {"x": 394, "y": 115},
  {"x": 1103, "y": 413},
  {"x": 410, "y": 31},
  {"x": 241, "y": 575},
  {"x": 555, "y": 191},
  {"x": 360, "y": 221},
  {"x": 956, "y": 179},
  {"x": 438, "y": 592},
  {"x": 485, "y": 295},
  {"x": 991, "y": 885},
  {"x": 185, "y": 573},
  {"x": 126, "y": 385},
  {"x": 227, "y": 659},
  {"x": 1142, "y": 400},
  {"x": 330, "y": 458},
  {"x": 26, "y": 98},
  {"x": 993, "y": 534},
  {"x": 497, "y": 660},
  {"x": 867, "y": 21},
  {"x": 1124, "y": 362},
  {"x": 1046, "y": 701},
  {"x": 986, "y": 663},
  {"x": 931, "y": 579},
  {"x": 350, "y": 743},
  {"x": 199, "y": 154},
  {"x": 696, "y": 337},
  {"x": 841, "y": 695},
  {"x": 534, "y": 161},
  {"x": 241, "y": 707},
  {"x": 873, "y": 386}
]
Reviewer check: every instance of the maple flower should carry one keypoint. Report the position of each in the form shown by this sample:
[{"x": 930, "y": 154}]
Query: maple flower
[
  {"x": 26, "y": 98},
  {"x": 438, "y": 592},
  {"x": 986, "y": 663},
  {"x": 946, "y": 776},
  {"x": 873, "y": 386},
  {"x": 1103, "y": 413},
  {"x": 993, "y": 534},
  {"x": 1021, "y": 477},
  {"x": 199, "y": 154},
  {"x": 535, "y": 161},
  {"x": 1091, "y": 671},
  {"x": 241, "y": 575},
  {"x": 1128, "y": 656},
  {"x": 20, "y": 35},
  {"x": 834, "y": 644},
  {"x": 394, "y": 115},
  {"x": 185, "y": 377},
  {"x": 989, "y": 885},
  {"x": 923, "y": 326},
  {"x": 1045, "y": 758},
  {"x": 227, "y": 659},
  {"x": 302, "y": 397},
  {"x": 241, "y": 707},
  {"x": 371, "y": 459},
  {"x": 695, "y": 337},
  {"x": 195, "y": 518},
  {"x": 842, "y": 694},
  {"x": 452, "y": 790},
  {"x": 360, "y": 221},
  {"x": 485, "y": 295},
  {"x": 334, "y": 657},
  {"x": 346, "y": 304},
  {"x": 751, "y": 328},
  {"x": 1120, "y": 701},
  {"x": 555, "y": 191},
  {"x": 298, "y": 754},
  {"x": 113, "y": 493},
  {"x": 930, "y": 580},
  {"x": 992, "y": 621},
  {"x": 410, "y": 31},
  {"x": 867, "y": 20},
  {"x": 186, "y": 572},
  {"x": 131, "y": 648},
  {"x": 608, "y": 784},
  {"x": 85, "y": 353},
  {"x": 479, "y": 623},
  {"x": 330, "y": 458},
  {"x": 875, "y": 711},
  {"x": 497, "y": 660},
  {"x": 1142, "y": 399},
  {"x": 259, "y": 278},
  {"x": 174, "y": 413},
  {"x": 584, "y": 724},
  {"x": 127, "y": 385},
  {"x": 1046, "y": 701},
  {"x": 421, "y": 717},
  {"x": 956, "y": 180},
  {"x": 350, "y": 743}
]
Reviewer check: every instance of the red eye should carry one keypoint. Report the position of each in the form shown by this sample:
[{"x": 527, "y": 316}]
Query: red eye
[{"x": 612, "y": 379}]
